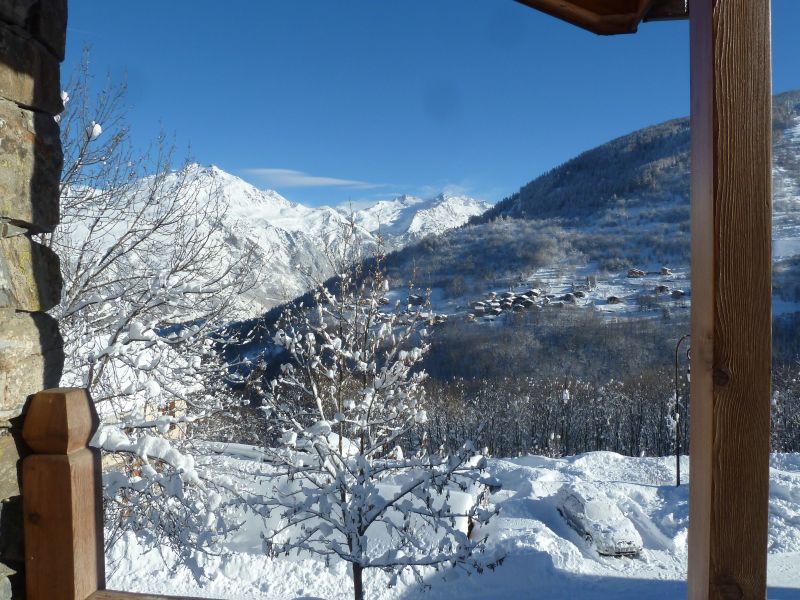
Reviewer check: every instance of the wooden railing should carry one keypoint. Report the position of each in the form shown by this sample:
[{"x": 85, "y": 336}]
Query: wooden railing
[{"x": 62, "y": 501}]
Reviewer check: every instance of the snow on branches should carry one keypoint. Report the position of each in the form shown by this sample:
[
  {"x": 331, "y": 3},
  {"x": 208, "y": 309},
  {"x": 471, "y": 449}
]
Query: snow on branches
[
  {"x": 147, "y": 282},
  {"x": 148, "y": 287},
  {"x": 358, "y": 481}
]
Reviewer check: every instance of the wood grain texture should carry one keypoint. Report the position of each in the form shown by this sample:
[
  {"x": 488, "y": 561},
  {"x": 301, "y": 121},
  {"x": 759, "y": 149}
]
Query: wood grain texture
[
  {"x": 59, "y": 421},
  {"x": 112, "y": 595},
  {"x": 62, "y": 502},
  {"x": 731, "y": 298},
  {"x": 703, "y": 290},
  {"x": 604, "y": 17}
]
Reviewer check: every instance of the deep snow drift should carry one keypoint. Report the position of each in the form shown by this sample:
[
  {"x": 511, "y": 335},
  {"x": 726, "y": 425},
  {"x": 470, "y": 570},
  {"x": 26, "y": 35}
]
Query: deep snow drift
[{"x": 545, "y": 557}]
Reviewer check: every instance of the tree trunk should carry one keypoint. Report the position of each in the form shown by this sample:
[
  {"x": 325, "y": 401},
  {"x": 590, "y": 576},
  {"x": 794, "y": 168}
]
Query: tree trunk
[{"x": 358, "y": 582}]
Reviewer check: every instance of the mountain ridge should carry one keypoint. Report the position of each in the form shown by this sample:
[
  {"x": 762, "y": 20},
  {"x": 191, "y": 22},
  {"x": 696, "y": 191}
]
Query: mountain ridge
[
  {"x": 651, "y": 153},
  {"x": 290, "y": 240},
  {"x": 617, "y": 206}
]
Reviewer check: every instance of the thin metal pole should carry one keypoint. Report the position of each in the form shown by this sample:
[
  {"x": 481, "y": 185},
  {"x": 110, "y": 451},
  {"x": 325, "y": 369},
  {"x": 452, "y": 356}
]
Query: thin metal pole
[{"x": 678, "y": 415}]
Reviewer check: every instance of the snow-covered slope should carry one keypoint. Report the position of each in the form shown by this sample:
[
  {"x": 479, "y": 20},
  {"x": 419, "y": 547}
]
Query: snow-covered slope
[
  {"x": 409, "y": 218},
  {"x": 545, "y": 557},
  {"x": 620, "y": 206},
  {"x": 290, "y": 241}
]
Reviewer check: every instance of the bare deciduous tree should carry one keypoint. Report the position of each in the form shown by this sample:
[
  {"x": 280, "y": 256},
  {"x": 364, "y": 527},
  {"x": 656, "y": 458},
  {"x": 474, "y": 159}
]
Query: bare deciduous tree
[{"x": 148, "y": 287}]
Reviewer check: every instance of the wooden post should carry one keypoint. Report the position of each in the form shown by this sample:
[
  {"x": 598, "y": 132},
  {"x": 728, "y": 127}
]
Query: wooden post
[
  {"x": 61, "y": 498},
  {"x": 731, "y": 297}
]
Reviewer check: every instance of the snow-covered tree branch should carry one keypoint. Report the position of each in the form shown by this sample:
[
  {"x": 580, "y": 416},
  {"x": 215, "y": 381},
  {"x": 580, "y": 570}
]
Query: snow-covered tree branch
[
  {"x": 358, "y": 481},
  {"x": 147, "y": 290}
]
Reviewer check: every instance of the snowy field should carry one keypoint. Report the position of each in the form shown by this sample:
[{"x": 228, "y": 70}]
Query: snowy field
[{"x": 545, "y": 557}]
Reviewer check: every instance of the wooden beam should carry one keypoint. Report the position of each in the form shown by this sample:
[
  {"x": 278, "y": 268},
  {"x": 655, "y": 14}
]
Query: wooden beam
[
  {"x": 595, "y": 7},
  {"x": 611, "y": 17},
  {"x": 61, "y": 498},
  {"x": 603, "y": 17},
  {"x": 112, "y": 595},
  {"x": 668, "y": 10},
  {"x": 731, "y": 297}
]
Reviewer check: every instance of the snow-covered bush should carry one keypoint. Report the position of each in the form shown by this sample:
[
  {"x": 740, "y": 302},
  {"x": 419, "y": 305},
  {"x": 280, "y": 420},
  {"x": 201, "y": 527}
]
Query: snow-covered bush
[{"x": 349, "y": 412}]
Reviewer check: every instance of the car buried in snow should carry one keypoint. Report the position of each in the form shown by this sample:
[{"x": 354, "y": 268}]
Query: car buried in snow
[{"x": 599, "y": 521}]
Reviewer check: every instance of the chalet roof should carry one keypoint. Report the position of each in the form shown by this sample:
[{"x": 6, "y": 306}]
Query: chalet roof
[{"x": 610, "y": 17}]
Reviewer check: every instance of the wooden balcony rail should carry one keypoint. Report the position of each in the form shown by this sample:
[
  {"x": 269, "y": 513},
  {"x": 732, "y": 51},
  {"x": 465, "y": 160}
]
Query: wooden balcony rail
[
  {"x": 112, "y": 595},
  {"x": 61, "y": 497},
  {"x": 62, "y": 501}
]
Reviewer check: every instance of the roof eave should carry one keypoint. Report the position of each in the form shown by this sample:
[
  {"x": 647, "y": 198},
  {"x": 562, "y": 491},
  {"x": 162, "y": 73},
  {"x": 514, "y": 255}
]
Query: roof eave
[{"x": 611, "y": 24}]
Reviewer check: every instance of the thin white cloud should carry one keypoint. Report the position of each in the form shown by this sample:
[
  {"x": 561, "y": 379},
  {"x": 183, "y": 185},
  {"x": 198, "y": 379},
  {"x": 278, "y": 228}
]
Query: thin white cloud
[{"x": 298, "y": 179}]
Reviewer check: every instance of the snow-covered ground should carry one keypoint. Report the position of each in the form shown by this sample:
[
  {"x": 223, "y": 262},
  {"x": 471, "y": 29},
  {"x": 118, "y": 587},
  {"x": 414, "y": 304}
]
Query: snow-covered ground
[
  {"x": 545, "y": 557},
  {"x": 636, "y": 297}
]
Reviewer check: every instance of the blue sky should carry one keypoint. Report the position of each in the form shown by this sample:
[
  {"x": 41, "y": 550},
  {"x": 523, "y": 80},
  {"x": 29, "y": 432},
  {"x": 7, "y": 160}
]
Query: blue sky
[{"x": 362, "y": 100}]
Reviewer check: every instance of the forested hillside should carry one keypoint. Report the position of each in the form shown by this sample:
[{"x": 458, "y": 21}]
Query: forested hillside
[
  {"x": 620, "y": 205},
  {"x": 648, "y": 166},
  {"x": 589, "y": 329}
]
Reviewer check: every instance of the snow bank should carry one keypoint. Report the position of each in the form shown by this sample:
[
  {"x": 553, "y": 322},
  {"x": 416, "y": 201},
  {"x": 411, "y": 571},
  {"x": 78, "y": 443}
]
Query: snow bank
[{"x": 546, "y": 558}]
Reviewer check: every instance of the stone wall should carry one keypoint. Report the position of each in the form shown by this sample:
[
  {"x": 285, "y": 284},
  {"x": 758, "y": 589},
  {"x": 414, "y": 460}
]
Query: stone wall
[{"x": 32, "y": 38}]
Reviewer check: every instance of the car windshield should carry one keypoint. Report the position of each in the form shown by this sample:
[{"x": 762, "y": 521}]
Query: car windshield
[{"x": 601, "y": 512}]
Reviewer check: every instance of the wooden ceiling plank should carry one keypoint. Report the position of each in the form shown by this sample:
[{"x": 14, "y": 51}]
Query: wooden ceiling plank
[
  {"x": 603, "y": 17},
  {"x": 668, "y": 10}
]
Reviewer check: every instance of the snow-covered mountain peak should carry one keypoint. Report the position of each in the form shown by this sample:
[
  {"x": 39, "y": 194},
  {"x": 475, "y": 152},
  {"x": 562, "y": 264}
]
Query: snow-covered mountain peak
[
  {"x": 290, "y": 240},
  {"x": 405, "y": 200},
  {"x": 407, "y": 218},
  {"x": 445, "y": 212},
  {"x": 239, "y": 194},
  {"x": 447, "y": 195}
]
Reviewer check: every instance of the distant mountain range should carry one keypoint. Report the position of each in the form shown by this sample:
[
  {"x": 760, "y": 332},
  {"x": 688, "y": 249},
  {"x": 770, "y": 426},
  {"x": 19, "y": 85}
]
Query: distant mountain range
[
  {"x": 578, "y": 255},
  {"x": 621, "y": 205},
  {"x": 290, "y": 240},
  {"x": 407, "y": 218}
]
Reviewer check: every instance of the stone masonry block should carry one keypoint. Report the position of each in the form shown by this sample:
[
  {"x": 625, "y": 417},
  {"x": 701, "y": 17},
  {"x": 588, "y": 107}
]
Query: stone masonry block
[
  {"x": 5, "y": 588},
  {"x": 46, "y": 20},
  {"x": 9, "y": 484},
  {"x": 11, "y": 524},
  {"x": 30, "y": 167},
  {"x": 12, "y": 545},
  {"x": 48, "y": 24},
  {"x": 30, "y": 275},
  {"x": 17, "y": 12},
  {"x": 31, "y": 358},
  {"x": 29, "y": 73},
  {"x": 11, "y": 532}
]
